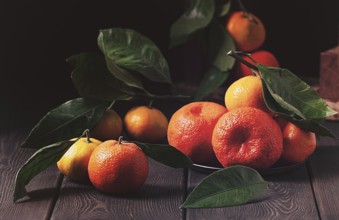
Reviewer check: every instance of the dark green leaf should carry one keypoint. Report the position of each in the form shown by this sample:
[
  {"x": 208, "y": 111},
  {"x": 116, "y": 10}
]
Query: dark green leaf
[
  {"x": 197, "y": 17},
  {"x": 37, "y": 163},
  {"x": 308, "y": 125},
  {"x": 66, "y": 121},
  {"x": 219, "y": 43},
  {"x": 293, "y": 94},
  {"x": 272, "y": 104},
  {"x": 227, "y": 187},
  {"x": 92, "y": 79},
  {"x": 133, "y": 51},
  {"x": 130, "y": 79},
  {"x": 212, "y": 79},
  {"x": 165, "y": 154},
  {"x": 123, "y": 75},
  {"x": 223, "y": 8}
]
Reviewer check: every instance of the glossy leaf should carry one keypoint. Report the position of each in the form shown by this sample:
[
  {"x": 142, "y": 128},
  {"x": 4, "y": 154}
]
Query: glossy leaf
[
  {"x": 37, "y": 163},
  {"x": 231, "y": 186},
  {"x": 219, "y": 43},
  {"x": 92, "y": 79},
  {"x": 308, "y": 125},
  {"x": 211, "y": 80},
  {"x": 133, "y": 51},
  {"x": 165, "y": 154},
  {"x": 293, "y": 94},
  {"x": 66, "y": 121},
  {"x": 272, "y": 104},
  {"x": 195, "y": 18}
]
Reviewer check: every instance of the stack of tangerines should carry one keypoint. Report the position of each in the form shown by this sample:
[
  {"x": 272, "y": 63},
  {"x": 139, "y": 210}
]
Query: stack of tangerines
[
  {"x": 243, "y": 132},
  {"x": 115, "y": 167},
  {"x": 249, "y": 34}
]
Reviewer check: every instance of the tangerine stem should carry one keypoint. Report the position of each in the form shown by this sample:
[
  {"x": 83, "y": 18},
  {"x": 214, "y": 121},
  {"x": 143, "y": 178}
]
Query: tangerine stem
[
  {"x": 242, "y": 7},
  {"x": 150, "y": 104},
  {"x": 120, "y": 140},
  {"x": 235, "y": 55},
  {"x": 87, "y": 136},
  {"x": 110, "y": 106}
]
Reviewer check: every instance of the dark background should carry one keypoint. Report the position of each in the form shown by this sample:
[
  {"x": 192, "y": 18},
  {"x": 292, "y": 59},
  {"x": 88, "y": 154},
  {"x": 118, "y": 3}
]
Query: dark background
[{"x": 37, "y": 36}]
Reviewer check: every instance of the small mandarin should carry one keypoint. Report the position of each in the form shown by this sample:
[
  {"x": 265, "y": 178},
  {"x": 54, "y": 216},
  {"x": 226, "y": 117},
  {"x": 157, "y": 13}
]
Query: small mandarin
[
  {"x": 118, "y": 168},
  {"x": 109, "y": 127},
  {"x": 247, "y": 30},
  {"x": 74, "y": 162},
  {"x": 298, "y": 144},
  {"x": 263, "y": 57},
  {"x": 246, "y": 92},
  {"x": 146, "y": 124},
  {"x": 190, "y": 130},
  {"x": 247, "y": 136}
]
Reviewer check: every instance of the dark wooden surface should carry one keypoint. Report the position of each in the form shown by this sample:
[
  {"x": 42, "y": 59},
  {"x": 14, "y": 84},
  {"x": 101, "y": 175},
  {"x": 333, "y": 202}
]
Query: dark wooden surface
[{"x": 310, "y": 191}]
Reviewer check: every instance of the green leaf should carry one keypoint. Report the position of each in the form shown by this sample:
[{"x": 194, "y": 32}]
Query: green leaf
[
  {"x": 308, "y": 125},
  {"x": 211, "y": 80},
  {"x": 218, "y": 44},
  {"x": 197, "y": 17},
  {"x": 231, "y": 186},
  {"x": 130, "y": 79},
  {"x": 272, "y": 104},
  {"x": 293, "y": 94},
  {"x": 223, "y": 9},
  {"x": 37, "y": 163},
  {"x": 92, "y": 79},
  {"x": 165, "y": 154},
  {"x": 66, "y": 121},
  {"x": 133, "y": 51}
]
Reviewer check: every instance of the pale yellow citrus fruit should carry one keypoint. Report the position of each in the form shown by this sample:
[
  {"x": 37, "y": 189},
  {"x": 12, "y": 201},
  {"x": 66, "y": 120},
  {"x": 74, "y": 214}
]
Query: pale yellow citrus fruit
[{"x": 74, "y": 162}]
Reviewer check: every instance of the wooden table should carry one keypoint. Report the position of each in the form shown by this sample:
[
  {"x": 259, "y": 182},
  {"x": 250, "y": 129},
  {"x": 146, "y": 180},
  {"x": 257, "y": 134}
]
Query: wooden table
[{"x": 310, "y": 191}]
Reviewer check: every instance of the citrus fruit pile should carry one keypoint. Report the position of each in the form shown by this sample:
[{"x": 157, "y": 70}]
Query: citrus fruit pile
[
  {"x": 241, "y": 132},
  {"x": 114, "y": 166}
]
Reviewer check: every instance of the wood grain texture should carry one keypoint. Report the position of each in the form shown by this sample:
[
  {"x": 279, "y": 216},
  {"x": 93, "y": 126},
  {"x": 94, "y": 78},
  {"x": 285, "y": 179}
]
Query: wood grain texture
[
  {"x": 289, "y": 197},
  {"x": 324, "y": 164},
  {"x": 42, "y": 188},
  {"x": 159, "y": 198}
]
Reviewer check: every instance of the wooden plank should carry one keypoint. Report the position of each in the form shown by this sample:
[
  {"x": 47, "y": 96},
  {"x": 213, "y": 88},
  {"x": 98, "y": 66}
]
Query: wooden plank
[
  {"x": 159, "y": 198},
  {"x": 289, "y": 197},
  {"x": 43, "y": 188},
  {"x": 324, "y": 165}
]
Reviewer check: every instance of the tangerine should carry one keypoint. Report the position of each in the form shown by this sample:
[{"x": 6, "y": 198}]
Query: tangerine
[
  {"x": 246, "y": 92},
  {"x": 298, "y": 144},
  {"x": 117, "y": 167},
  {"x": 145, "y": 123},
  {"x": 190, "y": 130},
  {"x": 263, "y": 57},
  {"x": 247, "y": 136},
  {"x": 74, "y": 162},
  {"x": 109, "y": 127},
  {"x": 247, "y": 30}
]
